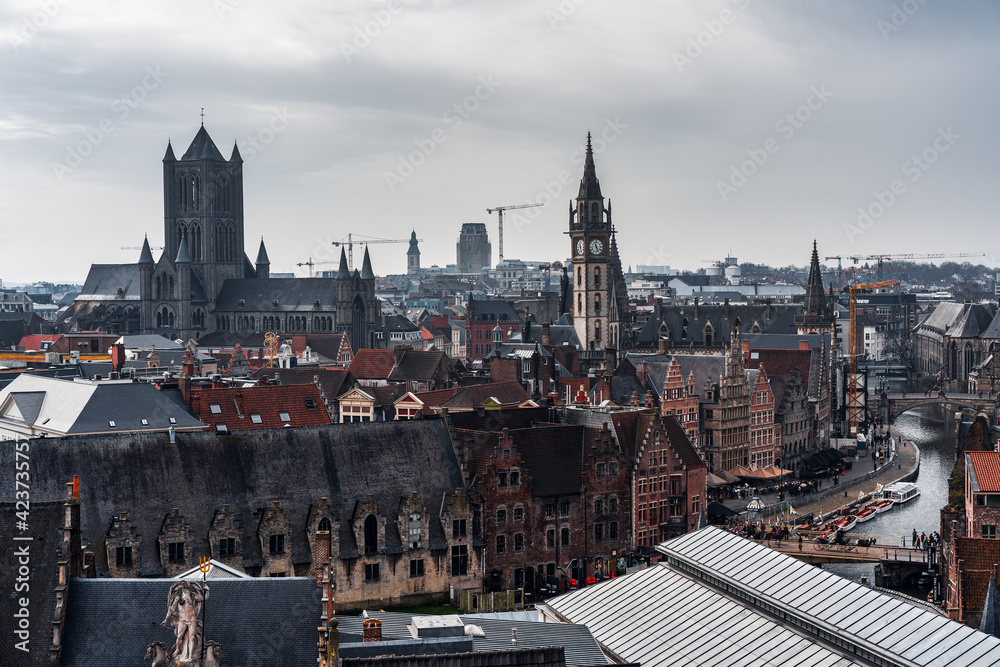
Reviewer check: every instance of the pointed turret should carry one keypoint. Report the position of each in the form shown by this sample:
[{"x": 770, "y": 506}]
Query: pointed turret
[
  {"x": 815, "y": 301},
  {"x": 263, "y": 264},
  {"x": 169, "y": 155},
  {"x": 236, "y": 157},
  {"x": 146, "y": 255},
  {"x": 590, "y": 187},
  {"x": 366, "y": 267},
  {"x": 343, "y": 272},
  {"x": 183, "y": 255}
]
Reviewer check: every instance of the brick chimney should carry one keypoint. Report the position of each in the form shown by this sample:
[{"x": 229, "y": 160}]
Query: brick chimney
[
  {"x": 662, "y": 345},
  {"x": 321, "y": 556},
  {"x": 546, "y": 332},
  {"x": 371, "y": 630},
  {"x": 642, "y": 372}
]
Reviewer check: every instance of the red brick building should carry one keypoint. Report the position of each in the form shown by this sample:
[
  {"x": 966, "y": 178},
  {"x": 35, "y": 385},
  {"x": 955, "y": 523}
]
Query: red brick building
[
  {"x": 765, "y": 436},
  {"x": 971, "y": 561},
  {"x": 669, "y": 484},
  {"x": 982, "y": 494},
  {"x": 680, "y": 399},
  {"x": 482, "y": 318}
]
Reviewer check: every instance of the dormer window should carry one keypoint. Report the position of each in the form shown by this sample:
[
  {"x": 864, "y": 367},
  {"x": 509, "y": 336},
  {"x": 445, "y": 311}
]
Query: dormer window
[
  {"x": 215, "y": 408},
  {"x": 111, "y": 423},
  {"x": 284, "y": 416},
  {"x": 256, "y": 418}
]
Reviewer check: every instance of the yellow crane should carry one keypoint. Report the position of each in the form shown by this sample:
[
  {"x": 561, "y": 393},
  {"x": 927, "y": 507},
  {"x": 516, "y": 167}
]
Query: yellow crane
[
  {"x": 854, "y": 405},
  {"x": 350, "y": 241}
]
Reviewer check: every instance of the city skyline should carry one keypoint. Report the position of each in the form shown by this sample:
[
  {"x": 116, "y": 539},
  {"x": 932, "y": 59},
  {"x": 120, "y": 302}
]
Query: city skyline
[{"x": 863, "y": 125}]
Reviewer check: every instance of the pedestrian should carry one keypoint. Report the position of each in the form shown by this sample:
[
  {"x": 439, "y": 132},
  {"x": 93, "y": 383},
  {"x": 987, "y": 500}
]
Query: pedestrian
[
  {"x": 800, "y": 542},
  {"x": 923, "y": 540},
  {"x": 914, "y": 540}
]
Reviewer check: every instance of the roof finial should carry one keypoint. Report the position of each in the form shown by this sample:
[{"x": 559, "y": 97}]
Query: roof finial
[{"x": 203, "y": 116}]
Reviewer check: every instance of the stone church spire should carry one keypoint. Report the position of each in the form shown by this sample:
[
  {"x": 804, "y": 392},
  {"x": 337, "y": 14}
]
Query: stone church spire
[
  {"x": 815, "y": 301},
  {"x": 590, "y": 187}
]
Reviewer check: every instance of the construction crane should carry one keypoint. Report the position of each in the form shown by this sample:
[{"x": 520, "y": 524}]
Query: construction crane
[
  {"x": 311, "y": 263},
  {"x": 500, "y": 210},
  {"x": 906, "y": 256},
  {"x": 854, "y": 406},
  {"x": 351, "y": 241},
  {"x": 840, "y": 270}
]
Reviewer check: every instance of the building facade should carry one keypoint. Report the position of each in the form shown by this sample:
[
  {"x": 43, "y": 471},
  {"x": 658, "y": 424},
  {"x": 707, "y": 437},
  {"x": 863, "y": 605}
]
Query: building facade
[{"x": 474, "y": 250}]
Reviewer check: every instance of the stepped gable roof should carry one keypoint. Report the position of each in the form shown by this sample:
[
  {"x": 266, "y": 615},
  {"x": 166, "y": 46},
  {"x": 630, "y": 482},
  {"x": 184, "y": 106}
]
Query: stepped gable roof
[
  {"x": 680, "y": 443},
  {"x": 706, "y": 368},
  {"x": 986, "y": 467},
  {"x": 333, "y": 381},
  {"x": 370, "y": 364},
  {"x": 260, "y": 294},
  {"x": 248, "y": 470},
  {"x": 553, "y": 455},
  {"x": 111, "y": 621},
  {"x": 111, "y": 281},
  {"x": 976, "y": 319},
  {"x": 267, "y": 406},
  {"x": 202, "y": 148},
  {"x": 419, "y": 365},
  {"x": 470, "y": 398},
  {"x": 772, "y": 318}
]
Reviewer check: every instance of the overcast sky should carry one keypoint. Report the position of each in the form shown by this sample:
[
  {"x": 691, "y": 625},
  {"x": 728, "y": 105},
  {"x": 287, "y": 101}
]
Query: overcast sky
[{"x": 745, "y": 126}]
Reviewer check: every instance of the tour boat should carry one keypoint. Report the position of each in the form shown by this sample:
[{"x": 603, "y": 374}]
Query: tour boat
[
  {"x": 867, "y": 514},
  {"x": 884, "y": 505},
  {"x": 901, "y": 492},
  {"x": 845, "y": 523}
]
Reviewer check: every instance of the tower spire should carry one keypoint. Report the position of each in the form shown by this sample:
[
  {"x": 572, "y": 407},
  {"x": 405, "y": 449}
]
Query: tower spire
[
  {"x": 590, "y": 187},
  {"x": 815, "y": 301}
]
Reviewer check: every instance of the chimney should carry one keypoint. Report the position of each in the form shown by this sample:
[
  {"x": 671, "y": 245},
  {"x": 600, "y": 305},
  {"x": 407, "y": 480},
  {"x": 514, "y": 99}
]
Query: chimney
[
  {"x": 371, "y": 630},
  {"x": 696, "y": 308},
  {"x": 642, "y": 372},
  {"x": 726, "y": 306},
  {"x": 649, "y": 398},
  {"x": 663, "y": 345},
  {"x": 804, "y": 345},
  {"x": 321, "y": 557},
  {"x": 546, "y": 332}
]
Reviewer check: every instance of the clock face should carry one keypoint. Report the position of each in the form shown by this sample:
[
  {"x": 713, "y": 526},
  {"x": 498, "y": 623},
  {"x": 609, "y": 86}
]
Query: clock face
[
  {"x": 579, "y": 246},
  {"x": 596, "y": 247}
]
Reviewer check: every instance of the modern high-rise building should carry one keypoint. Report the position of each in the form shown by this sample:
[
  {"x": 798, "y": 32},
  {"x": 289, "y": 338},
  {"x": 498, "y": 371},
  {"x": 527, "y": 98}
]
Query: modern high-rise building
[{"x": 474, "y": 249}]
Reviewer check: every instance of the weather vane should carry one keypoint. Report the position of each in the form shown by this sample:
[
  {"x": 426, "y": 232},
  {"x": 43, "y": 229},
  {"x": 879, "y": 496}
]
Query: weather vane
[{"x": 203, "y": 116}]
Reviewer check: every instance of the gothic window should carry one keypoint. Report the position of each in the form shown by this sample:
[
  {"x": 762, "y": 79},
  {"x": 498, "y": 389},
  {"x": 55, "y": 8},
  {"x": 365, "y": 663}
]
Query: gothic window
[
  {"x": 371, "y": 534},
  {"x": 324, "y": 524},
  {"x": 579, "y": 276},
  {"x": 171, "y": 318},
  {"x": 159, "y": 319},
  {"x": 597, "y": 277},
  {"x": 579, "y": 304},
  {"x": 595, "y": 212},
  {"x": 170, "y": 288},
  {"x": 597, "y": 332},
  {"x": 195, "y": 187},
  {"x": 195, "y": 244},
  {"x": 597, "y": 304},
  {"x": 159, "y": 287}
]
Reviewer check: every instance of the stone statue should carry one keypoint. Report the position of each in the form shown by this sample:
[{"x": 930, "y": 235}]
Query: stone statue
[
  {"x": 160, "y": 654},
  {"x": 184, "y": 602},
  {"x": 213, "y": 655}
]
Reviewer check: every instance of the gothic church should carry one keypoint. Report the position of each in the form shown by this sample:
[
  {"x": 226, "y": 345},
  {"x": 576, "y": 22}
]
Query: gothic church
[{"x": 204, "y": 282}]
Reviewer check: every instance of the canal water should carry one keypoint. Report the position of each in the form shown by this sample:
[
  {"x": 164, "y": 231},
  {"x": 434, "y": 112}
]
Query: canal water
[{"x": 932, "y": 428}]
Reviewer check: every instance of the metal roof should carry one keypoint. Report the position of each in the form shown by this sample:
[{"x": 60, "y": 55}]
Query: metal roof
[{"x": 718, "y": 598}]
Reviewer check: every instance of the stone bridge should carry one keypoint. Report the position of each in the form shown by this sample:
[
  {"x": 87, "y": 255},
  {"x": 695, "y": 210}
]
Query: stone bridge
[{"x": 899, "y": 403}]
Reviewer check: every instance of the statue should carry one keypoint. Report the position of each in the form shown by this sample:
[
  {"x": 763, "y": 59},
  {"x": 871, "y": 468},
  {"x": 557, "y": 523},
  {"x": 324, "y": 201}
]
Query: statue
[
  {"x": 213, "y": 655},
  {"x": 184, "y": 602},
  {"x": 159, "y": 653}
]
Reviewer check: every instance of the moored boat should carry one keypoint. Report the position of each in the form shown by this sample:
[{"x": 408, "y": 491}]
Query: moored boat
[
  {"x": 867, "y": 514},
  {"x": 884, "y": 505},
  {"x": 901, "y": 492}
]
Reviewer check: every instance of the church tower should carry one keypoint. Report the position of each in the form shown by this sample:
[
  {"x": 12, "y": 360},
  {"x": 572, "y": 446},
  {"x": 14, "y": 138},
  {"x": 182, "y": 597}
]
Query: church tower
[
  {"x": 413, "y": 255},
  {"x": 203, "y": 203},
  {"x": 595, "y": 306}
]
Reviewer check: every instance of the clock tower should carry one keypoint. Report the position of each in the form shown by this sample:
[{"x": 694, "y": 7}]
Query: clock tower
[{"x": 596, "y": 274}]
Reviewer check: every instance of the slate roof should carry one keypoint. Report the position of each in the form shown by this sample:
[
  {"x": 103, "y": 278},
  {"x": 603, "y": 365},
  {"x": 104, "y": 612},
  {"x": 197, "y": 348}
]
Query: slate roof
[
  {"x": 628, "y": 426},
  {"x": 784, "y": 363},
  {"x": 976, "y": 319},
  {"x": 942, "y": 318},
  {"x": 235, "y": 407},
  {"x": 993, "y": 330},
  {"x": 497, "y": 420},
  {"x": 46, "y": 519},
  {"x": 333, "y": 381},
  {"x": 706, "y": 368},
  {"x": 292, "y": 294},
  {"x": 493, "y": 310},
  {"x": 148, "y": 342},
  {"x": 247, "y": 470},
  {"x": 81, "y": 406},
  {"x": 419, "y": 365},
  {"x": 789, "y": 341},
  {"x": 553, "y": 456},
  {"x": 772, "y": 318},
  {"x": 259, "y": 621},
  {"x": 580, "y": 646},
  {"x": 470, "y": 398},
  {"x": 202, "y": 148},
  {"x": 372, "y": 364},
  {"x": 986, "y": 468},
  {"x": 680, "y": 443},
  {"x": 104, "y": 280}
]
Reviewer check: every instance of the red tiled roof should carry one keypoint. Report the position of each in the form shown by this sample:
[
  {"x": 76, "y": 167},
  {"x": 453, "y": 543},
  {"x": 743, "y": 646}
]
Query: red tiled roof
[
  {"x": 979, "y": 557},
  {"x": 986, "y": 465},
  {"x": 34, "y": 341},
  {"x": 433, "y": 399},
  {"x": 237, "y": 406},
  {"x": 373, "y": 364}
]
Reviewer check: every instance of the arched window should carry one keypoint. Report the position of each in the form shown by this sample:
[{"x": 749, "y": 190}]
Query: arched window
[
  {"x": 597, "y": 304},
  {"x": 195, "y": 242},
  {"x": 159, "y": 287},
  {"x": 595, "y": 212},
  {"x": 324, "y": 524},
  {"x": 597, "y": 277},
  {"x": 159, "y": 319},
  {"x": 170, "y": 288},
  {"x": 195, "y": 187},
  {"x": 579, "y": 304},
  {"x": 371, "y": 534},
  {"x": 597, "y": 332}
]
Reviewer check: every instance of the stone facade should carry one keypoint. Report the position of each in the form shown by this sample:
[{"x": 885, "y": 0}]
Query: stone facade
[
  {"x": 727, "y": 416},
  {"x": 176, "y": 551},
  {"x": 122, "y": 548}
]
